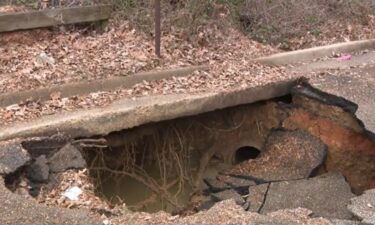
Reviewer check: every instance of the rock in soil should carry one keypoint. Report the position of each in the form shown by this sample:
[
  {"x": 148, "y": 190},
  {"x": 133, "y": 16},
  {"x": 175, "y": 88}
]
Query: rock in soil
[
  {"x": 39, "y": 170},
  {"x": 364, "y": 206},
  {"x": 288, "y": 155},
  {"x": 205, "y": 204},
  {"x": 68, "y": 157},
  {"x": 228, "y": 194},
  {"x": 12, "y": 157},
  {"x": 236, "y": 183},
  {"x": 256, "y": 197},
  {"x": 326, "y": 195},
  {"x": 216, "y": 185}
]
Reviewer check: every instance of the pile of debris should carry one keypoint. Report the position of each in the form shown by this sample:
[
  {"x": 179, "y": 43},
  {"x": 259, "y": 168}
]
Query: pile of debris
[{"x": 51, "y": 170}]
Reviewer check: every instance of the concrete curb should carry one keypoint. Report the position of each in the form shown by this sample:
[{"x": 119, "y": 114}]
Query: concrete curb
[
  {"x": 317, "y": 52},
  {"x": 128, "y": 113},
  {"x": 87, "y": 87}
]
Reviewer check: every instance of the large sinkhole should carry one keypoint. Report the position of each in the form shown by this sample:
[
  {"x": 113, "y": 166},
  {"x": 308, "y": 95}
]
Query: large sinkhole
[
  {"x": 162, "y": 166},
  {"x": 185, "y": 164},
  {"x": 145, "y": 180}
]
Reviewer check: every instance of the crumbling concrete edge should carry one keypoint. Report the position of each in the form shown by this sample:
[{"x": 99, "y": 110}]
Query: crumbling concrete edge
[
  {"x": 87, "y": 87},
  {"x": 316, "y": 52},
  {"x": 128, "y": 113}
]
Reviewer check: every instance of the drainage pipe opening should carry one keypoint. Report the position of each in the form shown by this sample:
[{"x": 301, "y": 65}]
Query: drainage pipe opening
[{"x": 245, "y": 153}]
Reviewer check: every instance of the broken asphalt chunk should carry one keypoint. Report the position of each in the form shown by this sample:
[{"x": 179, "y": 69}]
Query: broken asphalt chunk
[
  {"x": 228, "y": 194},
  {"x": 327, "y": 196},
  {"x": 39, "y": 170},
  {"x": 12, "y": 156},
  {"x": 68, "y": 157}
]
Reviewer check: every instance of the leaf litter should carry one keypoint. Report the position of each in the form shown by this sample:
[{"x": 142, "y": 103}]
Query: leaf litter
[
  {"x": 40, "y": 58},
  {"x": 58, "y": 57}
]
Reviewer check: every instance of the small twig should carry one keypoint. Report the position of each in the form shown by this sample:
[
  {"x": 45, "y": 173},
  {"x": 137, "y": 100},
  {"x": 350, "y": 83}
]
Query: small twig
[
  {"x": 223, "y": 130},
  {"x": 257, "y": 123},
  {"x": 92, "y": 145},
  {"x": 88, "y": 140}
]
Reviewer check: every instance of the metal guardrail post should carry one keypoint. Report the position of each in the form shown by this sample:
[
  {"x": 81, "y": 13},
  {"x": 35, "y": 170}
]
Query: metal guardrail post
[{"x": 157, "y": 28}]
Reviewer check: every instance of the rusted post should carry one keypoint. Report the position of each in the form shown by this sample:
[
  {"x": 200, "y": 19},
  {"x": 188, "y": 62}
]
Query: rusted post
[{"x": 157, "y": 28}]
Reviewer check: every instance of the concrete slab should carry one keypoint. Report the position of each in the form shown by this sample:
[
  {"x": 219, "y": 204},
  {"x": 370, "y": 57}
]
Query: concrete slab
[
  {"x": 128, "y": 113},
  {"x": 87, "y": 87}
]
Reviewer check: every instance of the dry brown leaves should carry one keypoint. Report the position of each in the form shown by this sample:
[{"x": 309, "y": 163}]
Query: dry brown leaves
[
  {"x": 198, "y": 82},
  {"x": 335, "y": 32},
  {"x": 54, "y": 58},
  {"x": 60, "y": 58},
  {"x": 57, "y": 58}
]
